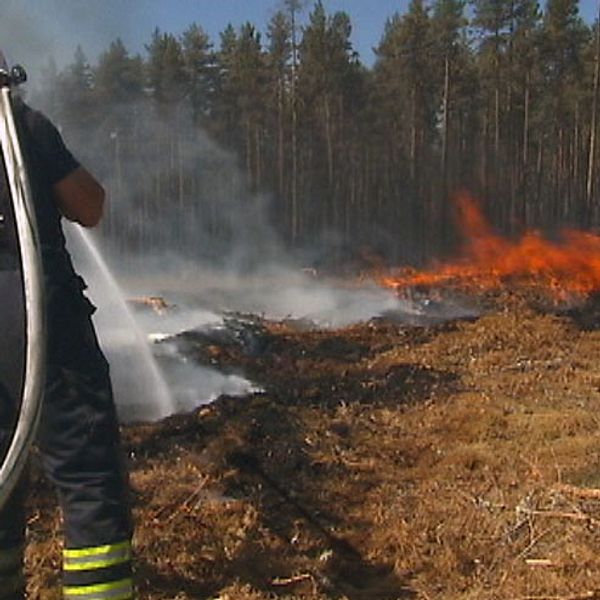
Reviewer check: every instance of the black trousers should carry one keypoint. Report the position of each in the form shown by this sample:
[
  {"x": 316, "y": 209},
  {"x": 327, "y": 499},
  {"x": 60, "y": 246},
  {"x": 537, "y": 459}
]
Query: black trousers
[{"x": 80, "y": 447}]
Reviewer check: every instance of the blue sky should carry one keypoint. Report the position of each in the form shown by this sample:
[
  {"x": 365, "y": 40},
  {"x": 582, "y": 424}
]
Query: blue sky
[
  {"x": 368, "y": 17},
  {"x": 31, "y": 31}
]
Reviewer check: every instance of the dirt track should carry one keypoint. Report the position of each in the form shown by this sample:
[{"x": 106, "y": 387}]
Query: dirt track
[{"x": 459, "y": 461}]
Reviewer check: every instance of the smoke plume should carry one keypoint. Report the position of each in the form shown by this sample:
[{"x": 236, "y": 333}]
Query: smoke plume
[{"x": 32, "y": 33}]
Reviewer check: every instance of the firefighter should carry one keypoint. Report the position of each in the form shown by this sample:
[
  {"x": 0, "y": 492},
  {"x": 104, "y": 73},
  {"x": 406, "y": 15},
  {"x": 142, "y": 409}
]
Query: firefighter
[{"x": 78, "y": 438}]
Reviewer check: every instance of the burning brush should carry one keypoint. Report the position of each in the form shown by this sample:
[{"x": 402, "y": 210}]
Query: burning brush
[{"x": 566, "y": 271}]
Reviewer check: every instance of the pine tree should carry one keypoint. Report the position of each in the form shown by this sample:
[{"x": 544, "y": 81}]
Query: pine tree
[
  {"x": 118, "y": 90},
  {"x": 294, "y": 7},
  {"x": 249, "y": 80},
  {"x": 199, "y": 63},
  {"x": 525, "y": 65},
  {"x": 75, "y": 97},
  {"x": 492, "y": 20},
  {"x": 279, "y": 32},
  {"x": 448, "y": 23},
  {"x": 327, "y": 66},
  {"x": 119, "y": 78},
  {"x": 405, "y": 77},
  {"x": 592, "y": 146},
  {"x": 224, "y": 123},
  {"x": 166, "y": 69},
  {"x": 563, "y": 37}
]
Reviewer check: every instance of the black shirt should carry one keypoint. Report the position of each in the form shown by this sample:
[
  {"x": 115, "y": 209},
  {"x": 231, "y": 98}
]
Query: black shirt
[
  {"x": 70, "y": 337},
  {"x": 48, "y": 161}
]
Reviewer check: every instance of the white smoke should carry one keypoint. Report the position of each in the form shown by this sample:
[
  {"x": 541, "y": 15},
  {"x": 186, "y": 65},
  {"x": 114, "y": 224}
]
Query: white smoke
[
  {"x": 33, "y": 32},
  {"x": 217, "y": 249},
  {"x": 210, "y": 253}
]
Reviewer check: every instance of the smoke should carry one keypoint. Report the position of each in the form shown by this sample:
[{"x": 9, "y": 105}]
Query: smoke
[
  {"x": 183, "y": 224},
  {"x": 193, "y": 385},
  {"x": 142, "y": 391},
  {"x": 32, "y": 32},
  {"x": 200, "y": 293}
]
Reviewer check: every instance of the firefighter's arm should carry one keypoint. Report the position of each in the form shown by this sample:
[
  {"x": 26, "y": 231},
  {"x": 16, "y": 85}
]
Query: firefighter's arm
[{"x": 80, "y": 197}]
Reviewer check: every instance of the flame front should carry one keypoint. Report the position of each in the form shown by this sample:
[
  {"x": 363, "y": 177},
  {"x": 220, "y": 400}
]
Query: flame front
[{"x": 488, "y": 261}]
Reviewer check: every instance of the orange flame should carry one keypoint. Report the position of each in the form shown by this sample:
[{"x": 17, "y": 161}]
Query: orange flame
[{"x": 488, "y": 261}]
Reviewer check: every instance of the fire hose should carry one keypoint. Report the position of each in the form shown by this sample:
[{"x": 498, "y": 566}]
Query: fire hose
[{"x": 29, "y": 250}]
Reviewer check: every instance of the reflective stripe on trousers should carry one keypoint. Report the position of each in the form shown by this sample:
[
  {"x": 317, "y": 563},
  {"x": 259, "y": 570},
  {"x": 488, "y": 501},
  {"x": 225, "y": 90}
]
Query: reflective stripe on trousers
[
  {"x": 98, "y": 572},
  {"x": 12, "y": 582},
  {"x": 117, "y": 590}
]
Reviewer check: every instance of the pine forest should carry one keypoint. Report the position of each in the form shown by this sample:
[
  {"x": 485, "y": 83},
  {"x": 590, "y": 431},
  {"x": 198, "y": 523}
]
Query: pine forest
[{"x": 497, "y": 97}]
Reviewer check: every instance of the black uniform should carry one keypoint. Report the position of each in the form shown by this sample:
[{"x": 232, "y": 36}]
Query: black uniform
[{"x": 78, "y": 436}]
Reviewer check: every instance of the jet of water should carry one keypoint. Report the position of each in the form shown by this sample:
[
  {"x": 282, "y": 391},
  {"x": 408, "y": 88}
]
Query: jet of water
[{"x": 141, "y": 393}]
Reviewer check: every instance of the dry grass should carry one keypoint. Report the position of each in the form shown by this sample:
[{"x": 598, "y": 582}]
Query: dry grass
[{"x": 454, "y": 462}]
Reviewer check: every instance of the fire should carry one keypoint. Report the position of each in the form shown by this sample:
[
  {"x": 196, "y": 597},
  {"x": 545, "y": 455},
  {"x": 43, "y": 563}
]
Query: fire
[{"x": 489, "y": 261}]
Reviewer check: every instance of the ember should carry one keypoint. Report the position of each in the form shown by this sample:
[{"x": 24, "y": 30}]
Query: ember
[
  {"x": 157, "y": 303},
  {"x": 564, "y": 270}
]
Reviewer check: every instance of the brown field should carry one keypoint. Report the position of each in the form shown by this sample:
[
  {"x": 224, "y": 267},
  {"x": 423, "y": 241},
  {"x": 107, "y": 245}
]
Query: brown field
[{"x": 382, "y": 462}]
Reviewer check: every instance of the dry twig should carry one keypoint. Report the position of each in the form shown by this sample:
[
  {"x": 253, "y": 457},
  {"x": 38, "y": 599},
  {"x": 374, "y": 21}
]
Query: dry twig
[
  {"x": 282, "y": 581},
  {"x": 557, "y": 514},
  {"x": 591, "y": 595},
  {"x": 573, "y": 490}
]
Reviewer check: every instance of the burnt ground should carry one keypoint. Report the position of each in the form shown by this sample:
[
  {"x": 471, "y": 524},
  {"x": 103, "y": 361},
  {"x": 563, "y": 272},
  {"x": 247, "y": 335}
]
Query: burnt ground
[{"x": 452, "y": 461}]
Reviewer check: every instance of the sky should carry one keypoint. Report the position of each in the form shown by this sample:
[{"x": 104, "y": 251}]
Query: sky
[{"x": 32, "y": 31}]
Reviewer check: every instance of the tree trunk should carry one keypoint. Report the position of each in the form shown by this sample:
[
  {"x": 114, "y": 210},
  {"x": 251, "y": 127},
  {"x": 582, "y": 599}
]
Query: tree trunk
[
  {"x": 329, "y": 145},
  {"x": 592, "y": 143},
  {"x": 257, "y": 158},
  {"x": 413, "y": 136},
  {"x": 248, "y": 128},
  {"x": 295, "y": 216},
  {"x": 280, "y": 140},
  {"x": 526, "y": 102},
  {"x": 295, "y": 208},
  {"x": 445, "y": 109}
]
